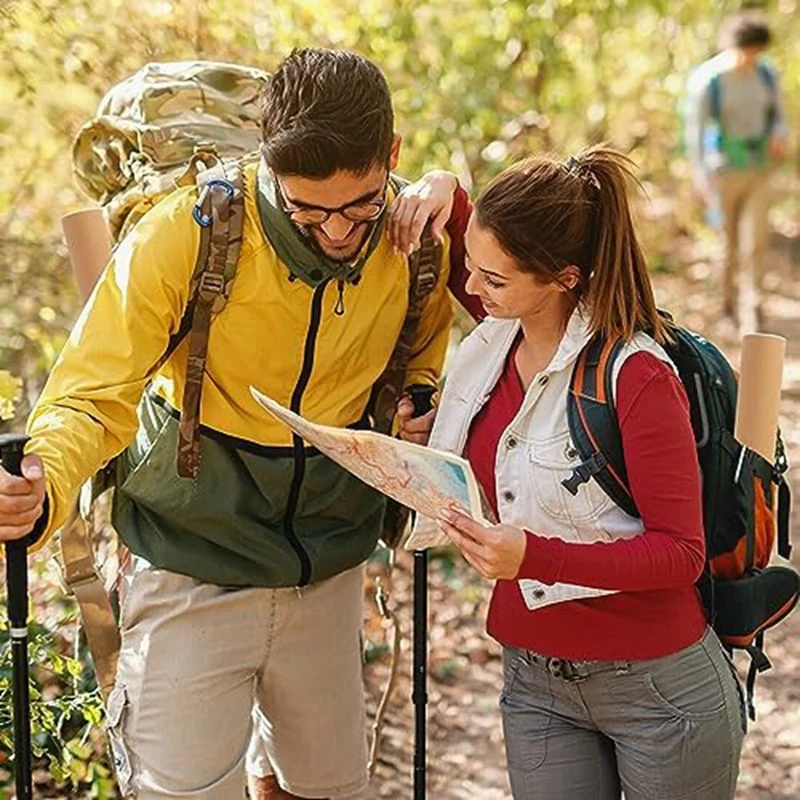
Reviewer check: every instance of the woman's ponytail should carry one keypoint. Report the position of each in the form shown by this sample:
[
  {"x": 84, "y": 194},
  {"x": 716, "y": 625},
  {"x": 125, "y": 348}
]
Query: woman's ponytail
[{"x": 620, "y": 296}]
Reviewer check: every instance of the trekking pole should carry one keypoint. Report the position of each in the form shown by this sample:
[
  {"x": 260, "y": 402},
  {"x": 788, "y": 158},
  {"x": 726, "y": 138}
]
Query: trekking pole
[
  {"x": 422, "y": 397},
  {"x": 11, "y": 452},
  {"x": 420, "y": 691}
]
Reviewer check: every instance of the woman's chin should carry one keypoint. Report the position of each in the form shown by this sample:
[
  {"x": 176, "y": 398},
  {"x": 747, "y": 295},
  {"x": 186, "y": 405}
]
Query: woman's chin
[{"x": 494, "y": 310}]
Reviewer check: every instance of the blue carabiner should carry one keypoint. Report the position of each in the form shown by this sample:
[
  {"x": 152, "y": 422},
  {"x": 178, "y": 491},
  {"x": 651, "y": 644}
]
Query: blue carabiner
[{"x": 204, "y": 220}]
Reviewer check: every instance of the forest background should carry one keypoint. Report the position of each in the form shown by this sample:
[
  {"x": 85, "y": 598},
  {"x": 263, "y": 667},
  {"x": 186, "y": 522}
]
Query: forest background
[{"x": 476, "y": 84}]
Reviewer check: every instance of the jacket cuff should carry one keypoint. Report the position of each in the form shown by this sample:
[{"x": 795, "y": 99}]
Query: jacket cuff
[{"x": 544, "y": 558}]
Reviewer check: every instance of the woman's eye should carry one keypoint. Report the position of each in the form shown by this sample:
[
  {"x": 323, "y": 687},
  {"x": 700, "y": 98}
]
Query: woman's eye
[{"x": 494, "y": 284}]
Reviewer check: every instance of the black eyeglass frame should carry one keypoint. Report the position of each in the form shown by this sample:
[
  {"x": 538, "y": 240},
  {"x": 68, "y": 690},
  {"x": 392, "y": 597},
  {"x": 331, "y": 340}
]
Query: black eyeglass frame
[{"x": 324, "y": 214}]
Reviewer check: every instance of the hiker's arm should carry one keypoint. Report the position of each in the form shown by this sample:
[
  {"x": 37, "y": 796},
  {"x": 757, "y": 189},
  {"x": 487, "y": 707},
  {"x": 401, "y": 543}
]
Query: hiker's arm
[
  {"x": 665, "y": 482},
  {"x": 457, "y": 228},
  {"x": 664, "y": 475},
  {"x": 437, "y": 196},
  {"x": 433, "y": 331},
  {"x": 86, "y": 414},
  {"x": 698, "y": 116}
]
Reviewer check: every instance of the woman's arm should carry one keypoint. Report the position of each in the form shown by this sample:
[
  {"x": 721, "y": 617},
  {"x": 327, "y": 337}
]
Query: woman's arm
[
  {"x": 457, "y": 228},
  {"x": 664, "y": 475},
  {"x": 437, "y": 197}
]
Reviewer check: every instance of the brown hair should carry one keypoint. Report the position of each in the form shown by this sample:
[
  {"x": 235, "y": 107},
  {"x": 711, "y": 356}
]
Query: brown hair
[
  {"x": 746, "y": 29},
  {"x": 547, "y": 215},
  {"x": 324, "y": 111}
]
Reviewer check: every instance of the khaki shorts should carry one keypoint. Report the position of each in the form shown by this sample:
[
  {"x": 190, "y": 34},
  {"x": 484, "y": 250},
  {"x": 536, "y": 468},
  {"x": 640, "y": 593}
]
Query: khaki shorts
[{"x": 199, "y": 663}]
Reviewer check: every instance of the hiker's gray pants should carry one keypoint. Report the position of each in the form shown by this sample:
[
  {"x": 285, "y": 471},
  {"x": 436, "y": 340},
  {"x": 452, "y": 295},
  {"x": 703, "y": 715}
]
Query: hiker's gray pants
[{"x": 667, "y": 729}]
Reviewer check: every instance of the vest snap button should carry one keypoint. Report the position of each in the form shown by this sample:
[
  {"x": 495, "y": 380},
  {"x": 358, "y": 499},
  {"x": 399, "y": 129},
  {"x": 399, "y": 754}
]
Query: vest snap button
[
  {"x": 543, "y": 380},
  {"x": 508, "y": 496},
  {"x": 538, "y": 594},
  {"x": 511, "y": 443}
]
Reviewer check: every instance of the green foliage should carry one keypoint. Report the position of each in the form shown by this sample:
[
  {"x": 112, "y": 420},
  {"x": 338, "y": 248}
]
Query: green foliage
[
  {"x": 66, "y": 712},
  {"x": 476, "y": 83}
]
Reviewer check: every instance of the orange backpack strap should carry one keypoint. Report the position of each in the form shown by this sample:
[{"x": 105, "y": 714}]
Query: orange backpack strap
[{"x": 593, "y": 424}]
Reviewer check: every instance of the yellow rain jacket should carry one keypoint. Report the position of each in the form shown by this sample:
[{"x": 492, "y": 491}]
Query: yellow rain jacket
[{"x": 263, "y": 511}]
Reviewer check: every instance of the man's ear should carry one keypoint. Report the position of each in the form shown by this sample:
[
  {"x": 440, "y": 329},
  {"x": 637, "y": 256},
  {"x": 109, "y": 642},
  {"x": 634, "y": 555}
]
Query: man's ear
[{"x": 394, "y": 153}]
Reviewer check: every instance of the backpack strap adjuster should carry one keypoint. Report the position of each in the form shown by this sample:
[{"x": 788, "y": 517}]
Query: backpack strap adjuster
[
  {"x": 584, "y": 472},
  {"x": 211, "y": 283}
]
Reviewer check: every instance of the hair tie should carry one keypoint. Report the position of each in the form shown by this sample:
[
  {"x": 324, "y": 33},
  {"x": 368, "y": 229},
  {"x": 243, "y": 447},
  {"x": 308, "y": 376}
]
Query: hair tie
[{"x": 580, "y": 169}]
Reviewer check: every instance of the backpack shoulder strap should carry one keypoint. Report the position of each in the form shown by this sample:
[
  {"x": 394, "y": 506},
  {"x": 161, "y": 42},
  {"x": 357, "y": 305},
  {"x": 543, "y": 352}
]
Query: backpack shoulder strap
[
  {"x": 593, "y": 424},
  {"x": 424, "y": 266},
  {"x": 767, "y": 75},
  {"x": 768, "y": 78},
  {"x": 714, "y": 97},
  {"x": 220, "y": 214}
]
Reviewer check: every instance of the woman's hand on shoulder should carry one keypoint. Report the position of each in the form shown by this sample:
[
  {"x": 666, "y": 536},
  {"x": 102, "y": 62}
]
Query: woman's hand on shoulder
[
  {"x": 496, "y": 551},
  {"x": 429, "y": 198}
]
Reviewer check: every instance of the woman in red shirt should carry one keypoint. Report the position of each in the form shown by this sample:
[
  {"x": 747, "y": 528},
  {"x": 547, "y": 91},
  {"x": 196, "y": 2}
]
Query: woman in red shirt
[{"x": 613, "y": 680}]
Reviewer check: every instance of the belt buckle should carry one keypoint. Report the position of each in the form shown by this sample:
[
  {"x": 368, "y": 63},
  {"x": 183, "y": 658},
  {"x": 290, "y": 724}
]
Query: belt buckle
[{"x": 568, "y": 671}]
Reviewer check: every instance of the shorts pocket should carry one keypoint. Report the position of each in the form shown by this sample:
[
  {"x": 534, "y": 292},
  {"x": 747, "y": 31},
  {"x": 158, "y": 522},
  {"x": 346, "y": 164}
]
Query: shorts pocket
[{"x": 115, "y": 723}]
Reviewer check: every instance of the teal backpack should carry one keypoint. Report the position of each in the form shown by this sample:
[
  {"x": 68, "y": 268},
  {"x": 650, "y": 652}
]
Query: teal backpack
[{"x": 746, "y": 499}]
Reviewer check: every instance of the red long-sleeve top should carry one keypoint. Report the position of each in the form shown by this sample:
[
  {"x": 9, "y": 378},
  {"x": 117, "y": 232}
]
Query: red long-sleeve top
[{"x": 656, "y": 610}]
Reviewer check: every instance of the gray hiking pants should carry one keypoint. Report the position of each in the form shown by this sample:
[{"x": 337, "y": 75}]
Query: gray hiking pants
[{"x": 667, "y": 729}]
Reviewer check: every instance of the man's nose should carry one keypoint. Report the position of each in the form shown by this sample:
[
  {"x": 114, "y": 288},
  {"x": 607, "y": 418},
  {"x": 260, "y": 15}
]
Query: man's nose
[{"x": 337, "y": 227}]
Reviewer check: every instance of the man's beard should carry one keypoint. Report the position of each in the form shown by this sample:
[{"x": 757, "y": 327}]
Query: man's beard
[{"x": 334, "y": 254}]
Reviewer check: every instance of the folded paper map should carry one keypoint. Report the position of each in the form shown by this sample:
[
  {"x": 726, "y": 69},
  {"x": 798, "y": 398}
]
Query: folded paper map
[{"x": 425, "y": 480}]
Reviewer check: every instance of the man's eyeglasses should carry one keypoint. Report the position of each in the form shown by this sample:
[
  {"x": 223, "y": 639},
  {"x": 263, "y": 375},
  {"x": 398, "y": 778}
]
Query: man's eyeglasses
[{"x": 360, "y": 211}]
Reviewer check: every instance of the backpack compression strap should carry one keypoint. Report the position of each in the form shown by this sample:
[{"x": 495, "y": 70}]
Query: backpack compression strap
[
  {"x": 593, "y": 424},
  {"x": 220, "y": 214}
]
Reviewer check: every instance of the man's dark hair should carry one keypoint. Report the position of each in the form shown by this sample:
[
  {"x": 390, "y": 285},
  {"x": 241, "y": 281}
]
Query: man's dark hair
[
  {"x": 747, "y": 30},
  {"x": 324, "y": 111}
]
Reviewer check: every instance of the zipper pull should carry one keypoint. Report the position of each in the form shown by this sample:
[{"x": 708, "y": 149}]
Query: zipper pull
[{"x": 339, "y": 309}]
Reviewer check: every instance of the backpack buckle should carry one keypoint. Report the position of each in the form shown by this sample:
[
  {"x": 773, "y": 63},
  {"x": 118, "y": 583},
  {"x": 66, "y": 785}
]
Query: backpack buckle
[
  {"x": 212, "y": 283},
  {"x": 583, "y": 473}
]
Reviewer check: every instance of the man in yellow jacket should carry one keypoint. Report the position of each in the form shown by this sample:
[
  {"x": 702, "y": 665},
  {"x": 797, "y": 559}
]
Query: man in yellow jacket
[{"x": 241, "y": 603}]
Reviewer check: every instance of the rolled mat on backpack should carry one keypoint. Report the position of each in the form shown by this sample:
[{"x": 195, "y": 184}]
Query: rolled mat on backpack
[
  {"x": 760, "y": 392},
  {"x": 89, "y": 244}
]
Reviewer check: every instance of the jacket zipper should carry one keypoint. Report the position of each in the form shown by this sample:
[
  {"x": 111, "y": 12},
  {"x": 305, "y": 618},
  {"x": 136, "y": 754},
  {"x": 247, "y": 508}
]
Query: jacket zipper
[{"x": 297, "y": 442}]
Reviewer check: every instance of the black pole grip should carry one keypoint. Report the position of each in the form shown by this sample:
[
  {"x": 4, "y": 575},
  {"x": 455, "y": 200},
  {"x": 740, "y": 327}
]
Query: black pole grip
[
  {"x": 422, "y": 398},
  {"x": 12, "y": 449}
]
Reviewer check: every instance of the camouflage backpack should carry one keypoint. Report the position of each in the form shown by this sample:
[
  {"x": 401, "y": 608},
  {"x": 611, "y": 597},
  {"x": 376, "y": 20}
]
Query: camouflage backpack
[{"x": 153, "y": 128}]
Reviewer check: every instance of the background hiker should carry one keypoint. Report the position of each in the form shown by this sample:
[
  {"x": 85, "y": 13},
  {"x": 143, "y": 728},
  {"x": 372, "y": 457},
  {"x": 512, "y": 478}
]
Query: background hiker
[{"x": 736, "y": 131}]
